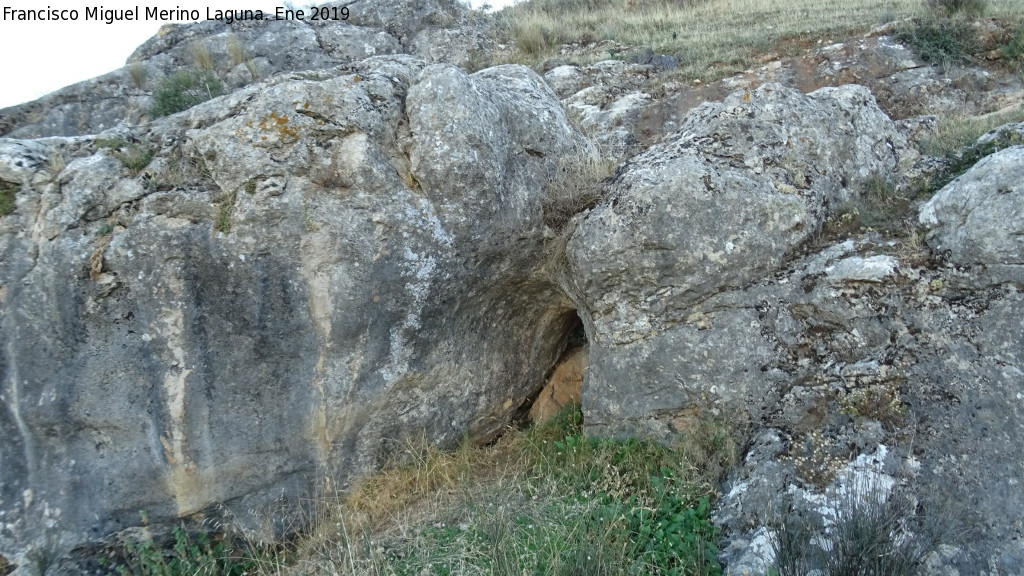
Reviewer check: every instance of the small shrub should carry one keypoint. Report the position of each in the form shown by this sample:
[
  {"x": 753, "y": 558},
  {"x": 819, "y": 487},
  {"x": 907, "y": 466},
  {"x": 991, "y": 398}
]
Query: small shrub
[
  {"x": 195, "y": 555},
  {"x": 7, "y": 198},
  {"x": 133, "y": 156},
  {"x": 815, "y": 460},
  {"x": 139, "y": 74},
  {"x": 970, "y": 8},
  {"x": 578, "y": 185},
  {"x": 881, "y": 402},
  {"x": 880, "y": 206},
  {"x": 1013, "y": 50},
  {"x": 183, "y": 90},
  {"x": 872, "y": 533},
  {"x": 940, "y": 41}
]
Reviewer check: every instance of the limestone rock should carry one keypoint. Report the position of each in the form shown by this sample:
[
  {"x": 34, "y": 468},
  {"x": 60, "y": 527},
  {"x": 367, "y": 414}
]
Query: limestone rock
[
  {"x": 979, "y": 218},
  {"x": 308, "y": 271},
  {"x": 857, "y": 269},
  {"x": 243, "y": 52},
  {"x": 721, "y": 202},
  {"x": 562, "y": 388}
]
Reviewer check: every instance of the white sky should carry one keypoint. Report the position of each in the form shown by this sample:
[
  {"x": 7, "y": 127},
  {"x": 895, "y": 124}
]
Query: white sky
[{"x": 39, "y": 57}]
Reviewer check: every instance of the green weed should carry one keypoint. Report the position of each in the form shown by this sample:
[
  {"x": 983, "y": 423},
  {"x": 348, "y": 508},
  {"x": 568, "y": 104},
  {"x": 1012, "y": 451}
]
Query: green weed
[
  {"x": 183, "y": 90},
  {"x": 189, "y": 555},
  {"x": 133, "y": 156},
  {"x": 940, "y": 41},
  {"x": 7, "y": 199}
]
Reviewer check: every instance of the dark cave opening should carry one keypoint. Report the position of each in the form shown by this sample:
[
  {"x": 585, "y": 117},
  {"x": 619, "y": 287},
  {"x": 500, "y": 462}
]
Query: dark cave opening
[{"x": 563, "y": 381}]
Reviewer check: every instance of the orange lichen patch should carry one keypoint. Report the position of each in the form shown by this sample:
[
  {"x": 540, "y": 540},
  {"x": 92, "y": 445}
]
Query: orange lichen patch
[{"x": 279, "y": 123}]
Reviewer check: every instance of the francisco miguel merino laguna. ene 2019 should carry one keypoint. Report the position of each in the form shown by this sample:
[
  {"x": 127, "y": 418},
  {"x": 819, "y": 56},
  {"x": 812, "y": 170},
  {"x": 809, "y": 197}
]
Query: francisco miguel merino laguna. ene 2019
[{"x": 109, "y": 16}]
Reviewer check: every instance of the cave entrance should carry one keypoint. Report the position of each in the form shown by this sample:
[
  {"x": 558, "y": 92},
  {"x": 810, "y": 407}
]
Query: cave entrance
[{"x": 563, "y": 382}]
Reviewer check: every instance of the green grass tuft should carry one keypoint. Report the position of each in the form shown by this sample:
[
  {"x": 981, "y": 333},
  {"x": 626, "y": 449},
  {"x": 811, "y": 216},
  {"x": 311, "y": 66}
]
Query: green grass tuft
[
  {"x": 941, "y": 41},
  {"x": 225, "y": 216},
  {"x": 133, "y": 156},
  {"x": 7, "y": 197},
  {"x": 183, "y": 90}
]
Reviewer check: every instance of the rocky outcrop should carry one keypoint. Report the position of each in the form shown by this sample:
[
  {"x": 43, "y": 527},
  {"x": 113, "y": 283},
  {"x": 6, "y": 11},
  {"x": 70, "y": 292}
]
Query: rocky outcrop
[
  {"x": 889, "y": 387},
  {"x": 627, "y": 106},
  {"x": 244, "y": 51},
  {"x": 699, "y": 303},
  {"x": 718, "y": 205},
  {"x": 308, "y": 271},
  {"x": 204, "y": 315},
  {"x": 978, "y": 219}
]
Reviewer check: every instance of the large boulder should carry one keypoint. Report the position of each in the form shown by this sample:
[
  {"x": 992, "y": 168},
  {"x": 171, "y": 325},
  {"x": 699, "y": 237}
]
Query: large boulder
[
  {"x": 978, "y": 219},
  {"x": 718, "y": 205},
  {"x": 309, "y": 271}
]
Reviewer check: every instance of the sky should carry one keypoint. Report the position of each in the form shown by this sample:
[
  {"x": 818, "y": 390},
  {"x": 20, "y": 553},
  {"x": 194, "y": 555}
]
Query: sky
[{"x": 37, "y": 58}]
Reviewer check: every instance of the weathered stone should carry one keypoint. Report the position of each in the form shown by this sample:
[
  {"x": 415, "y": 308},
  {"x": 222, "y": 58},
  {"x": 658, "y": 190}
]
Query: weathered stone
[
  {"x": 979, "y": 218},
  {"x": 667, "y": 227},
  {"x": 562, "y": 388},
  {"x": 308, "y": 271},
  {"x": 857, "y": 269}
]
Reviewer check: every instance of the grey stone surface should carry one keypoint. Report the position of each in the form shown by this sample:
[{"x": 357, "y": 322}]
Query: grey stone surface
[
  {"x": 308, "y": 272},
  {"x": 723, "y": 201},
  {"x": 349, "y": 249},
  {"x": 978, "y": 219},
  {"x": 246, "y": 51}
]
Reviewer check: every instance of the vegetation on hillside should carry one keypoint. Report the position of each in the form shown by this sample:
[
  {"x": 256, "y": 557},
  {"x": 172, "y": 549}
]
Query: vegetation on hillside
[
  {"x": 715, "y": 38},
  {"x": 544, "y": 500},
  {"x": 183, "y": 90}
]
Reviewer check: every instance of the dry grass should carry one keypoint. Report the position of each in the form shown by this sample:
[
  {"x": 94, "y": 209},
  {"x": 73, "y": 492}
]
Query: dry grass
[
  {"x": 957, "y": 132},
  {"x": 712, "y": 38},
  {"x": 139, "y": 75},
  {"x": 530, "y": 503},
  {"x": 202, "y": 58},
  {"x": 578, "y": 185}
]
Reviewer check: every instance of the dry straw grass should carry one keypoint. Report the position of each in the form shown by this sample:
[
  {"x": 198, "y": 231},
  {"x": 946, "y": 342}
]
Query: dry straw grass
[
  {"x": 528, "y": 501},
  {"x": 712, "y": 38}
]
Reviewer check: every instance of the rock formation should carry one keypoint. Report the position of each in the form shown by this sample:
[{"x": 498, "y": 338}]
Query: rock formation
[
  {"x": 208, "y": 313},
  {"x": 276, "y": 295}
]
